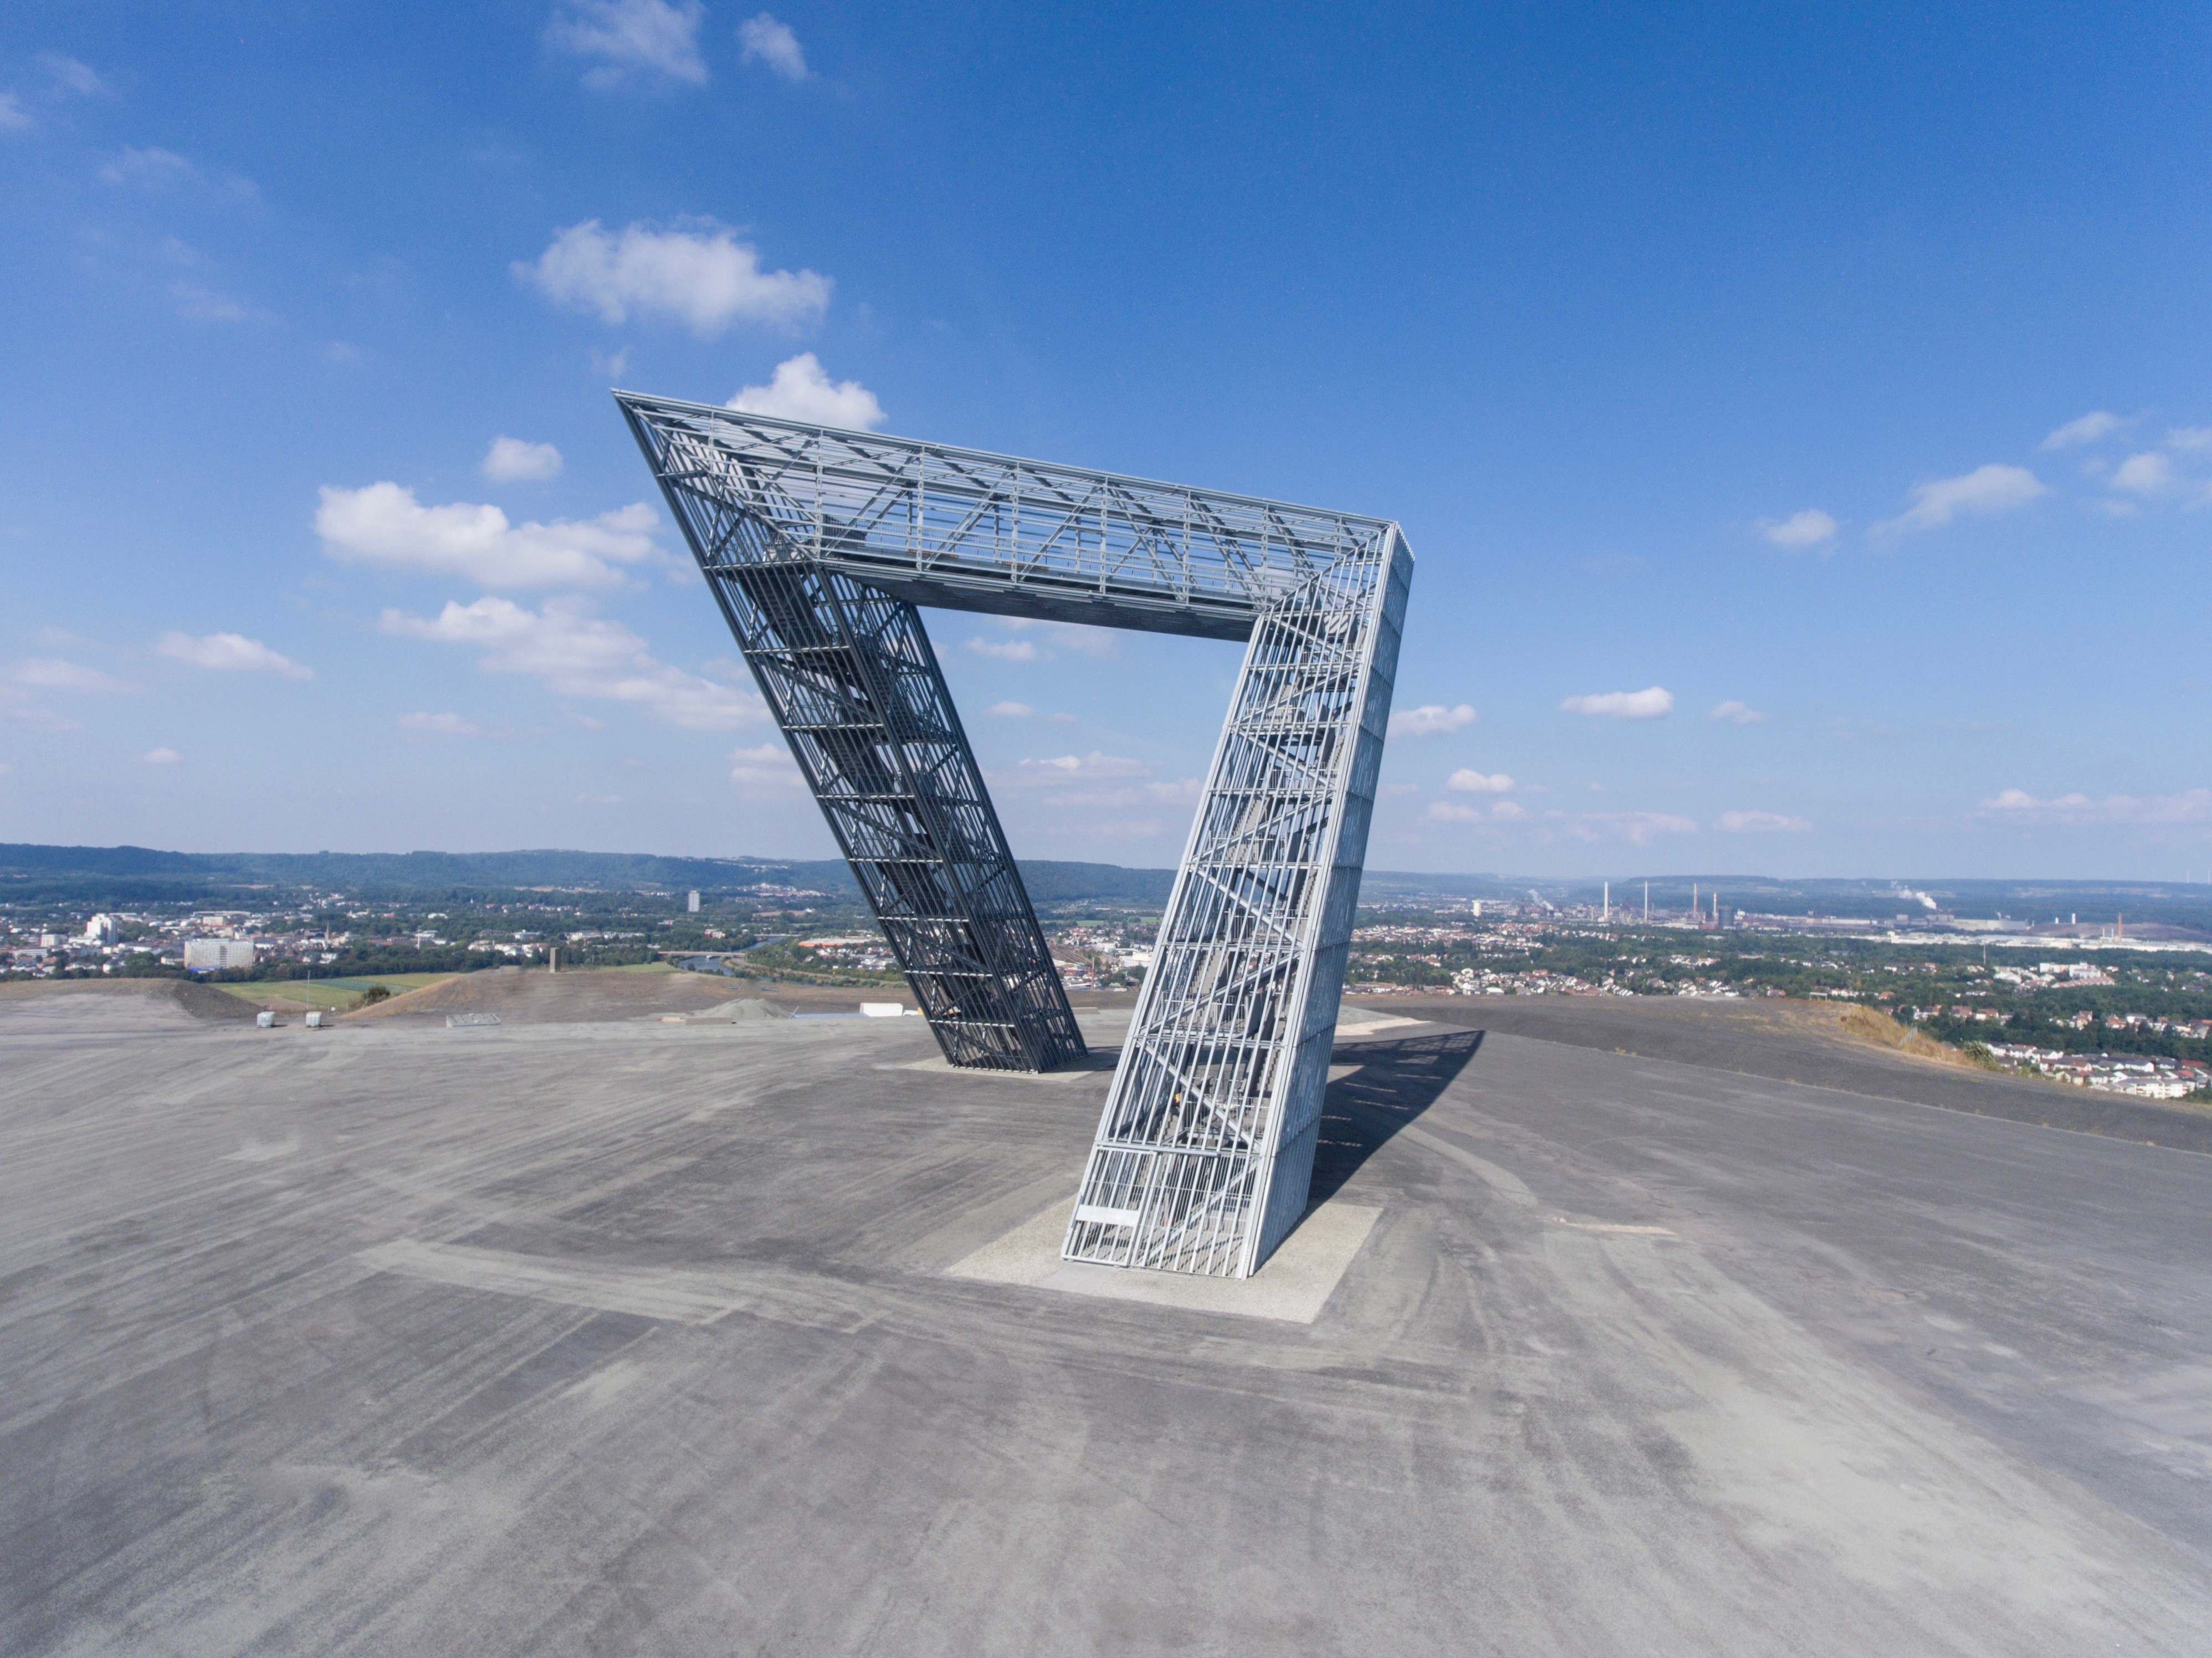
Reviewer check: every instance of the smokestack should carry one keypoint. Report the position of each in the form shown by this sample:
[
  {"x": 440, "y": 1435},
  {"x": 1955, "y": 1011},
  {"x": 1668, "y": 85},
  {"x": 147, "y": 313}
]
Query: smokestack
[{"x": 1605, "y": 916}]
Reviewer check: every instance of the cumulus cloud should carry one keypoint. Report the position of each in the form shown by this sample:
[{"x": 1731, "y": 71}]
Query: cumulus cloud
[
  {"x": 384, "y": 524},
  {"x": 1005, "y": 650},
  {"x": 159, "y": 757},
  {"x": 631, "y": 39},
  {"x": 510, "y": 460},
  {"x": 2188, "y": 807},
  {"x": 2101, "y": 423},
  {"x": 1760, "y": 822},
  {"x": 577, "y": 653},
  {"x": 2190, "y": 440},
  {"x": 1735, "y": 713},
  {"x": 705, "y": 279},
  {"x": 800, "y": 391},
  {"x": 1431, "y": 720},
  {"x": 50, "y": 673},
  {"x": 770, "y": 765},
  {"x": 14, "y": 118},
  {"x": 439, "y": 725},
  {"x": 229, "y": 653},
  {"x": 1647, "y": 704},
  {"x": 1807, "y": 529},
  {"x": 767, "y": 41},
  {"x": 2148, "y": 474},
  {"x": 1473, "y": 782},
  {"x": 1981, "y": 492},
  {"x": 1011, "y": 710}
]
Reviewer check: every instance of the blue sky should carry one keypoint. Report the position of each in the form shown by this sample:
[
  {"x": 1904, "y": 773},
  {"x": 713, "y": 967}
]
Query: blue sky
[{"x": 1801, "y": 417}]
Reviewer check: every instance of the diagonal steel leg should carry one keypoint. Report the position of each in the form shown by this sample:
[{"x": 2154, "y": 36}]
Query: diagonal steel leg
[
  {"x": 1205, "y": 1148},
  {"x": 849, "y": 674}
]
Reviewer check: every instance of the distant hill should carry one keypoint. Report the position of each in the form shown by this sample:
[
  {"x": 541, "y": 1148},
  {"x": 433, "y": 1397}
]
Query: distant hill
[
  {"x": 124, "y": 875},
  {"x": 117, "y": 876}
]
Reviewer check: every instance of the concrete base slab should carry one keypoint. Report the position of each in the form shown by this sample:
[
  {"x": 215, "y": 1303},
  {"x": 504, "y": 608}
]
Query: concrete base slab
[
  {"x": 1293, "y": 1286},
  {"x": 1364, "y": 1021}
]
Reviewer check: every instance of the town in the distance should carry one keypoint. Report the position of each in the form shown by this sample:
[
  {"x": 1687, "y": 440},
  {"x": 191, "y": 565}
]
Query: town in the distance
[{"x": 2104, "y": 986}]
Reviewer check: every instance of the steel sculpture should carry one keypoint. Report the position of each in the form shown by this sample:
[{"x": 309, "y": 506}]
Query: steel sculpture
[{"x": 819, "y": 543}]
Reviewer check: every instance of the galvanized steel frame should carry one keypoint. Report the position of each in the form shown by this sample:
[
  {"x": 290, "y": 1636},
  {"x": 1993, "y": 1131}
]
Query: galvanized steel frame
[
  {"x": 1205, "y": 1150},
  {"x": 819, "y": 544}
]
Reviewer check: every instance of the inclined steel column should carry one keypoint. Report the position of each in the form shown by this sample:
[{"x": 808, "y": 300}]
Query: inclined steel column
[
  {"x": 1205, "y": 1149},
  {"x": 848, "y": 672}
]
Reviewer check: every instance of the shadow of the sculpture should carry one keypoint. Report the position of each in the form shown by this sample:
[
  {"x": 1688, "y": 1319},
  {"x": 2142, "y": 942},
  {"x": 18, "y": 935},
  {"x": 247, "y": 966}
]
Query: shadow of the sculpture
[{"x": 1396, "y": 1081}]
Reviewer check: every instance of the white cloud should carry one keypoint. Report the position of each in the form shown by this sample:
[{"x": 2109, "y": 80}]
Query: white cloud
[
  {"x": 770, "y": 765},
  {"x": 49, "y": 673},
  {"x": 1647, "y": 704},
  {"x": 1636, "y": 828},
  {"x": 511, "y": 460},
  {"x": 1473, "y": 782},
  {"x": 1011, "y": 710},
  {"x": 1006, "y": 650},
  {"x": 159, "y": 757},
  {"x": 14, "y": 118},
  {"x": 71, "y": 75},
  {"x": 1807, "y": 529},
  {"x": 632, "y": 38},
  {"x": 2088, "y": 429},
  {"x": 1986, "y": 490},
  {"x": 1431, "y": 720},
  {"x": 154, "y": 169},
  {"x": 1736, "y": 713},
  {"x": 705, "y": 279},
  {"x": 2190, "y": 440},
  {"x": 1760, "y": 822},
  {"x": 229, "y": 653},
  {"x": 800, "y": 391},
  {"x": 439, "y": 725},
  {"x": 1073, "y": 768},
  {"x": 2188, "y": 807},
  {"x": 1451, "y": 811},
  {"x": 579, "y": 654},
  {"x": 197, "y": 304},
  {"x": 2148, "y": 474},
  {"x": 774, "y": 44},
  {"x": 384, "y": 524}
]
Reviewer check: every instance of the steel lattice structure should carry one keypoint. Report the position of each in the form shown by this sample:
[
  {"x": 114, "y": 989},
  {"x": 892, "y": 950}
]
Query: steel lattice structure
[{"x": 819, "y": 543}]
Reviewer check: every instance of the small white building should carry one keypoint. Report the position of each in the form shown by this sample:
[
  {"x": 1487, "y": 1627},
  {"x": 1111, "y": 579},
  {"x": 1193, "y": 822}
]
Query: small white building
[
  {"x": 213, "y": 955},
  {"x": 691, "y": 902},
  {"x": 99, "y": 930}
]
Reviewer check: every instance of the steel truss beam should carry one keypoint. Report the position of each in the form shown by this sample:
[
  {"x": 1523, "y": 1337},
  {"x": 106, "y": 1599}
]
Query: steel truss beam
[{"x": 819, "y": 543}]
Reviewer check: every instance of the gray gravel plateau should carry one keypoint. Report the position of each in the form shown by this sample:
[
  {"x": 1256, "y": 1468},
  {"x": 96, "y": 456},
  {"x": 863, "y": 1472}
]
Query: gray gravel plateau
[{"x": 637, "y": 1337}]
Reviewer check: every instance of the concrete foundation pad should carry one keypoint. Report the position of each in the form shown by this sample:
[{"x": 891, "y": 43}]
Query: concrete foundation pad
[{"x": 1294, "y": 1285}]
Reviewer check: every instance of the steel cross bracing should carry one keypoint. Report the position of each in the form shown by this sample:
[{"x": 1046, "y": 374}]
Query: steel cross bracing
[
  {"x": 1205, "y": 1148},
  {"x": 819, "y": 544},
  {"x": 962, "y": 531}
]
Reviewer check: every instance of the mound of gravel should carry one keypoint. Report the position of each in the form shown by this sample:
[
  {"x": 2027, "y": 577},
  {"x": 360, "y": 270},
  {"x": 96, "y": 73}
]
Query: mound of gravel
[{"x": 745, "y": 1011}]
